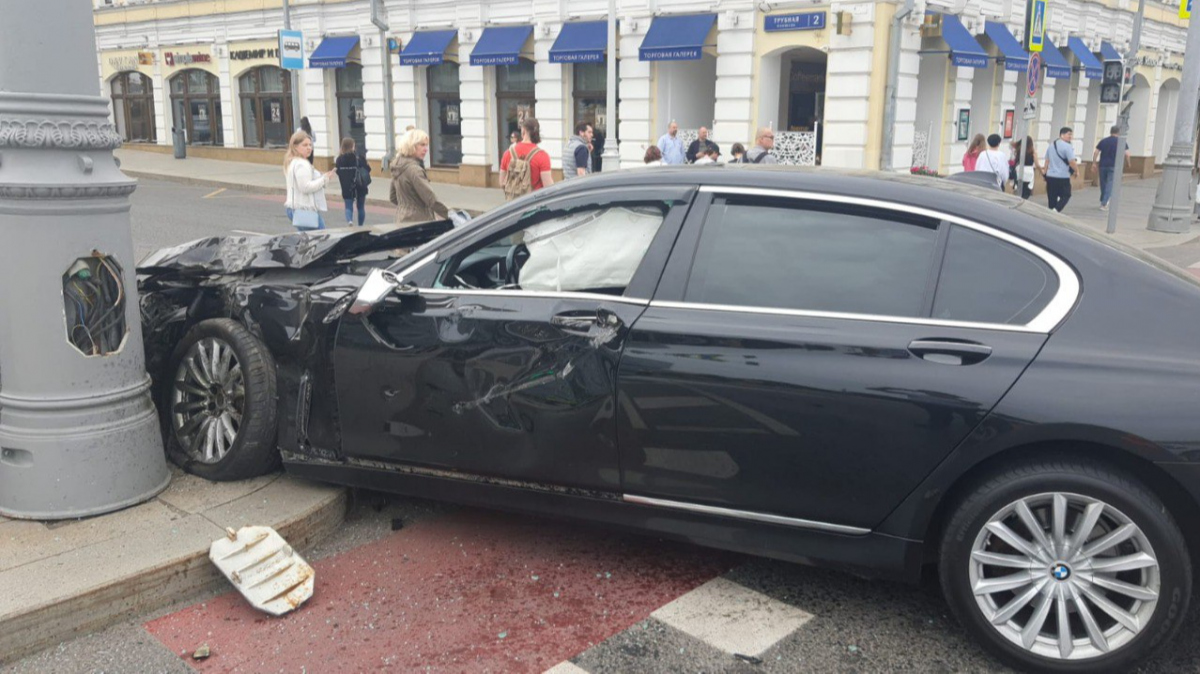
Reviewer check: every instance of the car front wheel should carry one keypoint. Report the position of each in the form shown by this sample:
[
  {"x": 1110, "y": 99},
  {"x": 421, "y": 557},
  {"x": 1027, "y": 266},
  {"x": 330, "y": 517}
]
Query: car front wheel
[
  {"x": 220, "y": 403},
  {"x": 1066, "y": 566}
]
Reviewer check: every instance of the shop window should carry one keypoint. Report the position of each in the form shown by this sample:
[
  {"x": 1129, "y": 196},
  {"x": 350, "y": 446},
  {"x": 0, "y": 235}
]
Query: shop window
[
  {"x": 196, "y": 104},
  {"x": 351, "y": 116},
  {"x": 133, "y": 107},
  {"x": 265, "y": 94},
  {"x": 445, "y": 115},
  {"x": 514, "y": 99},
  {"x": 591, "y": 100}
]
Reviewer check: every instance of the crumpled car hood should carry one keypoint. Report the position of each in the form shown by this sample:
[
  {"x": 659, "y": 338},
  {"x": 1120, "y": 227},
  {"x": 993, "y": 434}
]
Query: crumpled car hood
[{"x": 297, "y": 250}]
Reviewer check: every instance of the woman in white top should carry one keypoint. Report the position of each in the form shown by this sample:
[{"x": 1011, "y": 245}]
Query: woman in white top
[{"x": 305, "y": 185}]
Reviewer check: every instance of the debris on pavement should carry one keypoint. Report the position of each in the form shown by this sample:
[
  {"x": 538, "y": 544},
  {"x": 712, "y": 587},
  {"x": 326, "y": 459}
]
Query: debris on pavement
[
  {"x": 201, "y": 653},
  {"x": 264, "y": 568},
  {"x": 748, "y": 658},
  {"x": 397, "y": 524}
]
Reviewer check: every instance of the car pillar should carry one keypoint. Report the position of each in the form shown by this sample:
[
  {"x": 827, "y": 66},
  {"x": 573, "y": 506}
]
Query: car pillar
[{"x": 78, "y": 431}]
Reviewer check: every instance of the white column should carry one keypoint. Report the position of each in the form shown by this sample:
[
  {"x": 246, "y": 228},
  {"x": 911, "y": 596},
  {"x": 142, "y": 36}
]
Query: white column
[
  {"x": 1011, "y": 96},
  {"x": 1083, "y": 123},
  {"x": 408, "y": 84},
  {"x": 1045, "y": 119},
  {"x": 478, "y": 134},
  {"x": 372, "y": 75},
  {"x": 848, "y": 91},
  {"x": 635, "y": 80},
  {"x": 906, "y": 98},
  {"x": 732, "y": 111},
  {"x": 550, "y": 90},
  {"x": 229, "y": 99},
  {"x": 315, "y": 99},
  {"x": 162, "y": 104},
  {"x": 962, "y": 84}
]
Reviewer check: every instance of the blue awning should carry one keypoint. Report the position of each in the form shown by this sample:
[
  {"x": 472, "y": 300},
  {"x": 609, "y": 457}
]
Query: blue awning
[
  {"x": 583, "y": 42},
  {"x": 1092, "y": 68},
  {"x": 1109, "y": 52},
  {"x": 676, "y": 38},
  {"x": 964, "y": 48},
  {"x": 500, "y": 46},
  {"x": 332, "y": 52},
  {"x": 1056, "y": 65},
  {"x": 1015, "y": 57},
  {"x": 427, "y": 48}
]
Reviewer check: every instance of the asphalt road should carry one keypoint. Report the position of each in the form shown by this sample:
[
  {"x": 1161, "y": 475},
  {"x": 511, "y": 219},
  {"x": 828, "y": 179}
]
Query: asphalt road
[{"x": 821, "y": 620}]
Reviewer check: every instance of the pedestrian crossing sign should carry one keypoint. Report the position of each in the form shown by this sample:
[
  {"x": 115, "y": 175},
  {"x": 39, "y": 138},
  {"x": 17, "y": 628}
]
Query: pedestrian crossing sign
[
  {"x": 1185, "y": 9},
  {"x": 1035, "y": 31}
]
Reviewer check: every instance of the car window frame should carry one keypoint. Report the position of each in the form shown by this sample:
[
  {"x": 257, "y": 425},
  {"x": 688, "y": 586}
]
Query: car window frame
[
  {"x": 645, "y": 278},
  {"x": 673, "y": 286}
]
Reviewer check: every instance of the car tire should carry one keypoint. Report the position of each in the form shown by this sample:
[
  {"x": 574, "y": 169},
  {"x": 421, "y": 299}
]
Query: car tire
[
  {"x": 218, "y": 403},
  {"x": 1065, "y": 572}
]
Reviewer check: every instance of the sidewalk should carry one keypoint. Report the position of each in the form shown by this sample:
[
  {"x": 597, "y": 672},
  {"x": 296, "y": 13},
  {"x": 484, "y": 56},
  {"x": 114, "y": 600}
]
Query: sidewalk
[
  {"x": 64, "y": 579},
  {"x": 268, "y": 179}
]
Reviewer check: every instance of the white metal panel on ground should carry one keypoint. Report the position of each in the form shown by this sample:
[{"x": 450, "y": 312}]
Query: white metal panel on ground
[{"x": 264, "y": 568}]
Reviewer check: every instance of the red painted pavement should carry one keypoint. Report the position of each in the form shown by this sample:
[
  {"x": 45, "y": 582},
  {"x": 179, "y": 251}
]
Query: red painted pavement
[
  {"x": 472, "y": 591},
  {"x": 1194, "y": 271}
]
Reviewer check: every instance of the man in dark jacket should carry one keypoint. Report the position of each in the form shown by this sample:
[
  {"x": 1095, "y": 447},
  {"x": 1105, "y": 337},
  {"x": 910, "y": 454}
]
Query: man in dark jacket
[{"x": 701, "y": 141}]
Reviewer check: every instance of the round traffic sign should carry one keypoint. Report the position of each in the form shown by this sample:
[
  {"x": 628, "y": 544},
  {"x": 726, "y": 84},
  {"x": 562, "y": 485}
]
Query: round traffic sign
[{"x": 1033, "y": 74}]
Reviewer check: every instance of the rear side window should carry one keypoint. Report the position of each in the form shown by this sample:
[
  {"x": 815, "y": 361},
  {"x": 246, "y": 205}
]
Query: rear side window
[
  {"x": 986, "y": 280},
  {"x": 812, "y": 256}
]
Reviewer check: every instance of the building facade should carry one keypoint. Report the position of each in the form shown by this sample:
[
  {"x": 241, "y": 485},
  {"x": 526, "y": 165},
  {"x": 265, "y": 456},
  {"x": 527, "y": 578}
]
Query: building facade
[{"x": 468, "y": 71}]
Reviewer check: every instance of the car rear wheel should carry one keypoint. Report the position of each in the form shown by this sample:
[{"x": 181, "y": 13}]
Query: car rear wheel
[
  {"x": 220, "y": 403},
  {"x": 1066, "y": 566}
]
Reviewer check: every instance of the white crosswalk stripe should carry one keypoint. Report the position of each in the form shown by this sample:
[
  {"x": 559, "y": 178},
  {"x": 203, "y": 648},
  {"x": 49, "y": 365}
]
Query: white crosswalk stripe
[{"x": 732, "y": 618}]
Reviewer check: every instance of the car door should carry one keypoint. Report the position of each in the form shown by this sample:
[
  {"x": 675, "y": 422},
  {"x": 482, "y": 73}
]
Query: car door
[
  {"x": 814, "y": 357},
  {"x": 503, "y": 361}
]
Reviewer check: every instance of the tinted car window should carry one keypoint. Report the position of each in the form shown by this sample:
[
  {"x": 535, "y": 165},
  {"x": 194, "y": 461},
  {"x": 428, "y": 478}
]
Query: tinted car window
[
  {"x": 814, "y": 257},
  {"x": 986, "y": 280}
]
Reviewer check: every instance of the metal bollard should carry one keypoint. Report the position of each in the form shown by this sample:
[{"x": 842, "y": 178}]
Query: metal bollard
[{"x": 179, "y": 136}]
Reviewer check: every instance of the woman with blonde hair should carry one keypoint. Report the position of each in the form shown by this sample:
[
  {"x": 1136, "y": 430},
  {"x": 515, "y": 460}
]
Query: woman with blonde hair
[
  {"x": 410, "y": 191},
  {"x": 305, "y": 185}
]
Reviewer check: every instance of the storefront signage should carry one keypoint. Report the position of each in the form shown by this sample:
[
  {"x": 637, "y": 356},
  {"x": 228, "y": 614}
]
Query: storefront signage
[
  {"x": 803, "y": 21},
  {"x": 494, "y": 60},
  {"x": 671, "y": 54},
  {"x": 291, "y": 49},
  {"x": 176, "y": 59},
  {"x": 253, "y": 54},
  {"x": 143, "y": 58}
]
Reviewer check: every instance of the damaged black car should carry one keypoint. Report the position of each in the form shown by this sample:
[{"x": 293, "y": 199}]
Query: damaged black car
[{"x": 878, "y": 373}]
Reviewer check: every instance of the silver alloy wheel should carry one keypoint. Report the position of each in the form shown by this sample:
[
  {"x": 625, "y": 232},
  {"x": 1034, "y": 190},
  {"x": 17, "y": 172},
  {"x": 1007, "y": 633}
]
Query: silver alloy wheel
[
  {"x": 1064, "y": 576},
  {"x": 208, "y": 400}
]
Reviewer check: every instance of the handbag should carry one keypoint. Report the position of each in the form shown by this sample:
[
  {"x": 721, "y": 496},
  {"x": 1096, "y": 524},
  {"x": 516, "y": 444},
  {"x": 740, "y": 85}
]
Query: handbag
[
  {"x": 1064, "y": 159},
  {"x": 306, "y": 220}
]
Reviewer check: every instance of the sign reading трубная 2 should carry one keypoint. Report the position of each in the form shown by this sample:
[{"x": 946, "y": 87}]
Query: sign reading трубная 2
[{"x": 802, "y": 21}]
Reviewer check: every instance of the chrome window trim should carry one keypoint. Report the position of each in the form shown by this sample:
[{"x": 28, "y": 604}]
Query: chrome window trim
[
  {"x": 913, "y": 320},
  {"x": 545, "y": 294},
  {"x": 746, "y": 515},
  {"x": 403, "y": 273},
  {"x": 1049, "y": 318}
]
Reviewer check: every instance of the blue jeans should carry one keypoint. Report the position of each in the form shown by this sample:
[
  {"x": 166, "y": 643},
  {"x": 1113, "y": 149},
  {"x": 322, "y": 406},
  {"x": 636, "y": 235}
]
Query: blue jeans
[
  {"x": 1106, "y": 183},
  {"x": 320, "y": 218},
  {"x": 362, "y": 209}
]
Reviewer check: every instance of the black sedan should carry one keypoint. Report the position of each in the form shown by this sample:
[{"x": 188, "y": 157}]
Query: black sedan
[{"x": 876, "y": 373}]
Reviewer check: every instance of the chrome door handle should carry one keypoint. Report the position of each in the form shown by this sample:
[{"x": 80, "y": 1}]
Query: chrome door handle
[{"x": 950, "y": 352}]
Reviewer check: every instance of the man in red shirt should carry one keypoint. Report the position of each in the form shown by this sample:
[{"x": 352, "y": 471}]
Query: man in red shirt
[{"x": 539, "y": 165}]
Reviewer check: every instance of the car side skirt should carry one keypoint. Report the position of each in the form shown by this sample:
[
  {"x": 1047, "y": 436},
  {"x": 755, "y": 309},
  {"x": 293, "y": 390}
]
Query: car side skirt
[{"x": 871, "y": 555}]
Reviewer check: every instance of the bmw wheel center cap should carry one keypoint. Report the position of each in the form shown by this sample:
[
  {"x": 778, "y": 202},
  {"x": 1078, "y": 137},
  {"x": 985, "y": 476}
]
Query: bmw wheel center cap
[{"x": 1060, "y": 571}]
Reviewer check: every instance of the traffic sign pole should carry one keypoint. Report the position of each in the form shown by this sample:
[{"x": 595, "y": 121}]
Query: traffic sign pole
[
  {"x": 1114, "y": 199},
  {"x": 1033, "y": 81}
]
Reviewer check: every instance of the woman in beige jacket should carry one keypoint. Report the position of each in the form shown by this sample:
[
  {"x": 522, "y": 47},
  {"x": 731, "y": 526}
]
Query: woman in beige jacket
[{"x": 414, "y": 198}]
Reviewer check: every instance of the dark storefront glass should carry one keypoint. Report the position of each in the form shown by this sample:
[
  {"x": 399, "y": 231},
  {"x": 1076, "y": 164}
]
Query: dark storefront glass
[
  {"x": 266, "y": 103},
  {"x": 196, "y": 104},
  {"x": 133, "y": 107},
  {"x": 591, "y": 103},
  {"x": 514, "y": 99},
  {"x": 351, "y": 116},
  {"x": 445, "y": 115}
]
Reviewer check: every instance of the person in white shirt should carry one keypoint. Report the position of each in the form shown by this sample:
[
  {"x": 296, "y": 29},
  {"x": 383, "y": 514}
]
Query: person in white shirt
[
  {"x": 707, "y": 156},
  {"x": 305, "y": 184},
  {"x": 994, "y": 160}
]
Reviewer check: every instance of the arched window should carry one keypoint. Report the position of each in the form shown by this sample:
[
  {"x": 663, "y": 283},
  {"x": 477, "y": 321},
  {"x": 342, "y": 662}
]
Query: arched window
[
  {"x": 266, "y": 101},
  {"x": 133, "y": 107},
  {"x": 351, "y": 118},
  {"x": 196, "y": 104},
  {"x": 445, "y": 115},
  {"x": 514, "y": 98}
]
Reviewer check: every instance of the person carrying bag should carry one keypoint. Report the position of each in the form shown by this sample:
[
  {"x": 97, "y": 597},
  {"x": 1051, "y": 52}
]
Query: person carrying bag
[{"x": 305, "y": 186}]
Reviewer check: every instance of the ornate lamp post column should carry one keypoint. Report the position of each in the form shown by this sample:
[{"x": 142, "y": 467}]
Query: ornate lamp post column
[
  {"x": 1174, "y": 204},
  {"x": 78, "y": 431}
]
